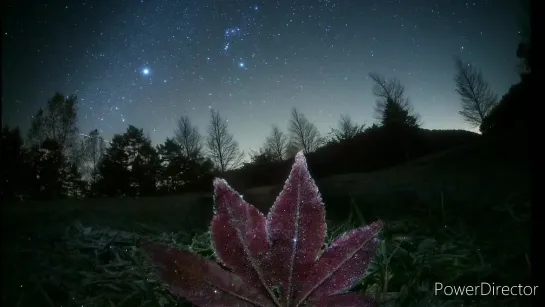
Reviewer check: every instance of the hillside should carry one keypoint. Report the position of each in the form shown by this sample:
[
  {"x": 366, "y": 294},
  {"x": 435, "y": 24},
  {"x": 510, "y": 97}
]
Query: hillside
[
  {"x": 373, "y": 150},
  {"x": 489, "y": 172}
]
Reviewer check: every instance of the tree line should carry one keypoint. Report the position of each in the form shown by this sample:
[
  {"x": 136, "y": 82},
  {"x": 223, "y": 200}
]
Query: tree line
[{"x": 56, "y": 160}]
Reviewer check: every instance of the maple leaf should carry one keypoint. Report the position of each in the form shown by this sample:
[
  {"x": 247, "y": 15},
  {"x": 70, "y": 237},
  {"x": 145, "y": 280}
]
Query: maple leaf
[{"x": 276, "y": 261}]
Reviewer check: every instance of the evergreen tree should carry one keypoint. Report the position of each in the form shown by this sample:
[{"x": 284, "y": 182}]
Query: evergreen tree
[{"x": 130, "y": 165}]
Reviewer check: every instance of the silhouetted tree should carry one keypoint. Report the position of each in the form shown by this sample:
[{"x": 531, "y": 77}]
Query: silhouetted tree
[
  {"x": 189, "y": 138},
  {"x": 130, "y": 165},
  {"x": 74, "y": 185},
  {"x": 303, "y": 134},
  {"x": 200, "y": 174},
  {"x": 145, "y": 170},
  {"x": 13, "y": 165},
  {"x": 58, "y": 122},
  {"x": 170, "y": 178},
  {"x": 524, "y": 48},
  {"x": 276, "y": 144},
  {"x": 222, "y": 147},
  {"x": 179, "y": 172},
  {"x": 114, "y": 173},
  {"x": 511, "y": 113},
  {"x": 523, "y": 53},
  {"x": 477, "y": 97},
  {"x": 399, "y": 123},
  {"x": 373, "y": 128},
  {"x": 262, "y": 156},
  {"x": 94, "y": 148},
  {"x": 291, "y": 150},
  {"x": 48, "y": 167},
  {"x": 347, "y": 129},
  {"x": 392, "y": 109}
]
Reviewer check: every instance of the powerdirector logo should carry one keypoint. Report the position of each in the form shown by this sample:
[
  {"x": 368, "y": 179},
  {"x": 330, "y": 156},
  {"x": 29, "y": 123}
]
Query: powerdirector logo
[{"x": 484, "y": 289}]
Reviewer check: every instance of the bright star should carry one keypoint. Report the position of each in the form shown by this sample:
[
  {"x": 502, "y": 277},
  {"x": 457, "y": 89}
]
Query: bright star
[
  {"x": 145, "y": 71},
  {"x": 241, "y": 64}
]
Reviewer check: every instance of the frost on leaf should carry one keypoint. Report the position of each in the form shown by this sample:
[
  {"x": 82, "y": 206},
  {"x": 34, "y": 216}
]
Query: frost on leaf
[
  {"x": 343, "y": 263},
  {"x": 238, "y": 235},
  {"x": 201, "y": 281},
  {"x": 296, "y": 227},
  {"x": 273, "y": 260}
]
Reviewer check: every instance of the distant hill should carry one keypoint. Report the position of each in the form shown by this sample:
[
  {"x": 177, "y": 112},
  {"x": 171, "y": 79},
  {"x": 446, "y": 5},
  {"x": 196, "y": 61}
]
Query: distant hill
[
  {"x": 372, "y": 150},
  {"x": 493, "y": 172}
]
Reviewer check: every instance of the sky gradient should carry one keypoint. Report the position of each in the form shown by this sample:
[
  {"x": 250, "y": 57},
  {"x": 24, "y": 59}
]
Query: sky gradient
[{"x": 146, "y": 63}]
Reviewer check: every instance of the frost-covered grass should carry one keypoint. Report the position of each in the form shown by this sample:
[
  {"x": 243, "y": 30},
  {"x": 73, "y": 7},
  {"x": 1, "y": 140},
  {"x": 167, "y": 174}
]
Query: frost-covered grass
[
  {"x": 89, "y": 264},
  {"x": 449, "y": 219}
]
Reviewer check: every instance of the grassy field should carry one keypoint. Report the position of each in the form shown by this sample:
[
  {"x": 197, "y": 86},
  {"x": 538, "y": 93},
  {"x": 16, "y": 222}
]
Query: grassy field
[{"x": 460, "y": 218}]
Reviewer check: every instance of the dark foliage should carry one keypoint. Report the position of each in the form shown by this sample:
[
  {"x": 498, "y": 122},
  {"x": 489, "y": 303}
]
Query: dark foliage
[
  {"x": 188, "y": 138},
  {"x": 93, "y": 148},
  {"x": 223, "y": 149},
  {"x": 477, "y": 98},
  {"x": 75, "y": 186},
  {"x": 393, "y": 109},
  {"x": 58, "y": 122},
  {"x": 40, "y": 172},
  {"x": 13, "y": 163},
  {"x": 304, "y": 135},
  {"x": 263, "y": 156},
  {"x": 277, "y": 144},
  {"x": 511, "y": 113},
  {"x": 374, "y": 149},
  {"x": 130, "y": 165},
  {"x": 179, "y": 172},
  {"x": 47, "y": 162},
  {"x": 347, "y": 129}
]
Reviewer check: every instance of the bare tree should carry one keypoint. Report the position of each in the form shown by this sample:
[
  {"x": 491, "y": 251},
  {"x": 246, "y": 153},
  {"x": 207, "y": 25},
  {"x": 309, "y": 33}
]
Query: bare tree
[
  {"x": 188, "y": 137},
  {"x": 477, "y": 97},
  {"x": 392, "y": 108},
  {"x": 291, "y": 150},
  {"x": 277, "y": 144},
  {"x": 347, "y": 129},
  {"x": 224, "y": 150},
  {"x": 261, "y": 156},
  {"x": 58, "y": 122},
  {"x": 94, "y": 149},
  {"x": 304, "y": 134}
]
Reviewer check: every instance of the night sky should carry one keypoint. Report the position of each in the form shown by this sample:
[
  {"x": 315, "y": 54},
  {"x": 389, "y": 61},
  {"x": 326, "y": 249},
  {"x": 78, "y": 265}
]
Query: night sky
[{"x": 146, "y": 63}]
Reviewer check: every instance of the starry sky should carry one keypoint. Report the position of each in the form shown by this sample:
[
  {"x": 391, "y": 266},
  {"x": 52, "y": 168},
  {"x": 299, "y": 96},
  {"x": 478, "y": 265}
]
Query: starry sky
[{"x": 147, "y": 62}]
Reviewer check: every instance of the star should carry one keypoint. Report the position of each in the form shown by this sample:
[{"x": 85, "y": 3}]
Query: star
[{"x": 196, "y": 49}]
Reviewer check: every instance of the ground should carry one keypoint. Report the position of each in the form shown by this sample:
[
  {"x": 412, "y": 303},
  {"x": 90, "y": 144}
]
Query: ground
[{"x": 457, "y": 217}]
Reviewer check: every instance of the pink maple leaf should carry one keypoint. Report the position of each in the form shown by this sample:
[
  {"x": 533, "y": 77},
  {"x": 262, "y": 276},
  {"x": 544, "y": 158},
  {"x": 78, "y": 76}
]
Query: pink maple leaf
[{"x": 274, "y": 261}]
